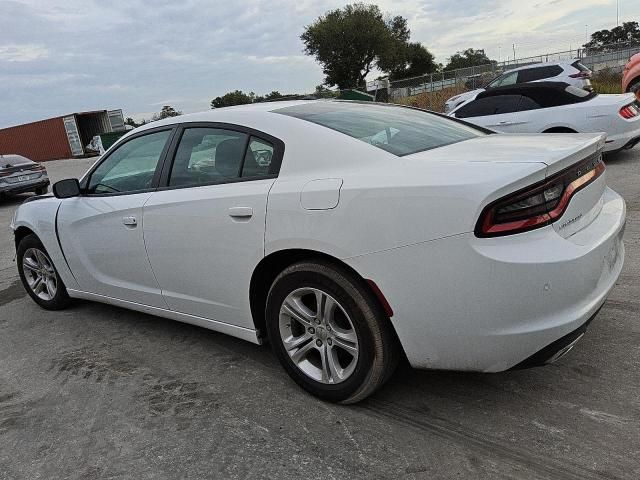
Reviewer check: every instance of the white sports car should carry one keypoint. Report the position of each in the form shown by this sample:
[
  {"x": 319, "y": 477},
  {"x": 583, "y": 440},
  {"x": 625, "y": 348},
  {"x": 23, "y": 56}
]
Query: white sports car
[
  {"x": 347, "y": 234},
  {"x": 555, "y": 107}
]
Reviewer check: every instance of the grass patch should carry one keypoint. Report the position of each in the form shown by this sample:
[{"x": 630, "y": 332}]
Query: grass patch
[
  {"x": 432, "y": 100},
  {"x": 607, "y": 81}
]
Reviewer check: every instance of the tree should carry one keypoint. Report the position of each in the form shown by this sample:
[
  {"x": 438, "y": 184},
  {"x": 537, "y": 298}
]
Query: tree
[
  {"x": 274, "y": 95},
  {"x": 351, "y": 41},
  {"x": 324, "y": 92},
  {"x": 628, "y": 32},
  {"x": 166, "y": 112},
  {"x": 468, "y": 58},
  {"x": 415, "y": 60},
  {"x": 237, "y": 97},
  {"x": 130, "y": 121}
]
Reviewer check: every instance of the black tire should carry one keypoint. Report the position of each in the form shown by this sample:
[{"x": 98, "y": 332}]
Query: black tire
[
  {"x": 633, "y": 86},
  {"x": 378, "y": 347},
  {"x": 41, "y": 190},
  {"x": 61, "y": 298},
  {"x": 560, "y": 130}
]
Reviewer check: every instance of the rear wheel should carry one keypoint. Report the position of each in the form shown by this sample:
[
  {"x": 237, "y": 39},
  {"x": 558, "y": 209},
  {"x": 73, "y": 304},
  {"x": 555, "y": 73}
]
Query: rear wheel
[
  {"x": 329, "y": 333},
  {"x": 634, "y": 86},
  {"x": 39, "y": 276}
]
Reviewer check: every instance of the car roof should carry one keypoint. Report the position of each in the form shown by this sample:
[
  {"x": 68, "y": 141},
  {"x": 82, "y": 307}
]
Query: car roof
[
  {"x": 563, "y": 64},
  {"x": 545, "y": 93}
]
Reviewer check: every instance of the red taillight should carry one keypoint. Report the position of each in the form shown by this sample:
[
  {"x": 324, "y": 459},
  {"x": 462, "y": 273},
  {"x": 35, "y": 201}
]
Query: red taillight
[
  {"x": 629, "y": 111},
  {"x": 538, "y": 205},
  {"x": 581, "y": 75}
]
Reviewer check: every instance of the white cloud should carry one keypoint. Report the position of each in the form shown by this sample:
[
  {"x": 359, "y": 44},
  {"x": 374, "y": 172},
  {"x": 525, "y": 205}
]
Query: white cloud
[
  {"x": 73, "y": 55},
  {"x": 22, "y": 53}
]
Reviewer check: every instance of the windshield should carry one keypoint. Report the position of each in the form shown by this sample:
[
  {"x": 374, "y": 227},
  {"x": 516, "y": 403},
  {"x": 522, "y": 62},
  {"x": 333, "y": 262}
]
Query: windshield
[{"x": 397, "y": 130}]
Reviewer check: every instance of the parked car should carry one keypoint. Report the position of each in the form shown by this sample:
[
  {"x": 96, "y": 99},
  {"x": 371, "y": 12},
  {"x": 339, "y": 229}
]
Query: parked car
[
  {"x": 18, "y": 174},
  {"x": 631, "y": 76},
  {"x": 369, "y": 232},
  {"x": 552, "y": 107},
  {"x": 572, "y": 72}
]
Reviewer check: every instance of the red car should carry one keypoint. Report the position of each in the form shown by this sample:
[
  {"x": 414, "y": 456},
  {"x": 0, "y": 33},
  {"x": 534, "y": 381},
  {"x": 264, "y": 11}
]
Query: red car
[{"x": 631, "y": 76}]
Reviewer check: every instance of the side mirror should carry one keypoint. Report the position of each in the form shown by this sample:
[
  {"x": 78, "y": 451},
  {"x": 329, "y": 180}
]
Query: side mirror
[{"x": 67, "y": 188}]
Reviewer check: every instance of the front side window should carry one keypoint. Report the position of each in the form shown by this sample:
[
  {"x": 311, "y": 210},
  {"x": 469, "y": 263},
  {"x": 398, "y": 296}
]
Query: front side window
[
  {"x": 131, "y": 166},
  {"x": 490, "y": 106},
  {"x": 397, "y": 130}
]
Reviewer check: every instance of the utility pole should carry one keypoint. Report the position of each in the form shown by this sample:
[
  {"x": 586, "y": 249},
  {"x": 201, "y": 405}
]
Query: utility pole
[
  {"x": 514, "y": 53},
  {"x": 586, "y": 36},
  {"x": 618, "y": 13},
  {"x": 499, "y": 52}
]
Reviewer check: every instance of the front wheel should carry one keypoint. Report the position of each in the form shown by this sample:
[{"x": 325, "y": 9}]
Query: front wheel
[
  {"x": 329, "y": 332},
  {"x": 39, "y": 276}
]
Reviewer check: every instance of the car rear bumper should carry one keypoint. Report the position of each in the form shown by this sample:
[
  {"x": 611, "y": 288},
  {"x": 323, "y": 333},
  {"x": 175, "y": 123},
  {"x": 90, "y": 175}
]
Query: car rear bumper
[
  {"x": 466, "y": 303},
  {"x": 29, "y": 186},
  {"x": 627, "y": 139}
]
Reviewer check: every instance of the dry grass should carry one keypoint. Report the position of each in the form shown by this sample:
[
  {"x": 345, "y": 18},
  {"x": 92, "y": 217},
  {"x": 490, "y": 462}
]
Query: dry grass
[
  {"x": 607, "y": 81},
  {"x": 604, "y": 81},
  {"x": 433, "y": 100}
]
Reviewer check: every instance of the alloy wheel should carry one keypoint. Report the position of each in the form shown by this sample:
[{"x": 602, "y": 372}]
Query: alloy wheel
[
  {"x": 40, "y": 275},
  {"x": 318, "y": 335}
]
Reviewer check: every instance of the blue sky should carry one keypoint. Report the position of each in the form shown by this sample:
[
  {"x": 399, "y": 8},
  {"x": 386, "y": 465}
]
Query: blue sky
[{"x": 62, "y": 56}]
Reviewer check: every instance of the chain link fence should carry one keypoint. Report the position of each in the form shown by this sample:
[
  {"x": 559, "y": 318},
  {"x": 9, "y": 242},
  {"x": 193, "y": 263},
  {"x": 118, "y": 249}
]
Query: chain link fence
[{"x": 432, "y": 90}]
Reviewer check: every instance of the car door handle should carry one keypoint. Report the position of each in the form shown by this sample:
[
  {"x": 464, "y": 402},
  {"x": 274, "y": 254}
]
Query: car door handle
[
  {"x": 130, "y": 221},
  {"x": 240, "y": 212}
]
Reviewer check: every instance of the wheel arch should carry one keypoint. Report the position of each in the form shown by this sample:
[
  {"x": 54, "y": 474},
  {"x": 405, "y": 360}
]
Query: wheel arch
[
  {"x": 21, "y": 232},
  {"x": 270, "y": 267},
  {"x": 560, "y": 129}
]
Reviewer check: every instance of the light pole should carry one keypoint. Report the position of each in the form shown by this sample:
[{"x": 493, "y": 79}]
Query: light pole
[{"x": 618, "y": 13}]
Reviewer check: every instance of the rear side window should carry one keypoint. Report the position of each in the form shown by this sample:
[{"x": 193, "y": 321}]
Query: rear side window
[
  {"x": 490, "y": 106},
  {"x": 538, "y": 73},
  {"x": 504, "y": 80},
  {"x": 213, "y": 155},
  {"x": 397, "y": 130}
]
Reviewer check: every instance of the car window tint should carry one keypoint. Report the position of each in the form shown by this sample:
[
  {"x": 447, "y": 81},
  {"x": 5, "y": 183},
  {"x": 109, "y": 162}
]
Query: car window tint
[
  {"x": 397, "y": 130},
  {"x": 207, "y": 155},
  {"x": 527, "y": 103},
  {"x": 506, "y": 79},
  {"x": 257, "y": 160},
  {"x": 490, "y": 106},
  {"x": 538, "y": 73},
  {"x": 131, "y": 166}
]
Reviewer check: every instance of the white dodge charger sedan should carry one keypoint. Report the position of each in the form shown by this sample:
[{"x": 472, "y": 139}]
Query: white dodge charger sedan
[{"x": 347, "y": 234}]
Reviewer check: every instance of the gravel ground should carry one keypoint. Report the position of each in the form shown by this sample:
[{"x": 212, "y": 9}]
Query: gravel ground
[{"x": 99, "y": 392}]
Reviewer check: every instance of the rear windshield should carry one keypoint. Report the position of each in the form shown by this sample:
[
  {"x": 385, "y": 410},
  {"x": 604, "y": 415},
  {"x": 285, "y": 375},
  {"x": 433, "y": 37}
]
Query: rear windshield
[
  {"x": 10, "y": 160},
  {"x": 397, "y": 130}
]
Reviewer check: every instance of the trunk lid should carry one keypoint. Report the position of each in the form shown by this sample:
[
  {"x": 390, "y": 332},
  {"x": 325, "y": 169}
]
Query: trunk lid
[{"x": 555, "y": 153}]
